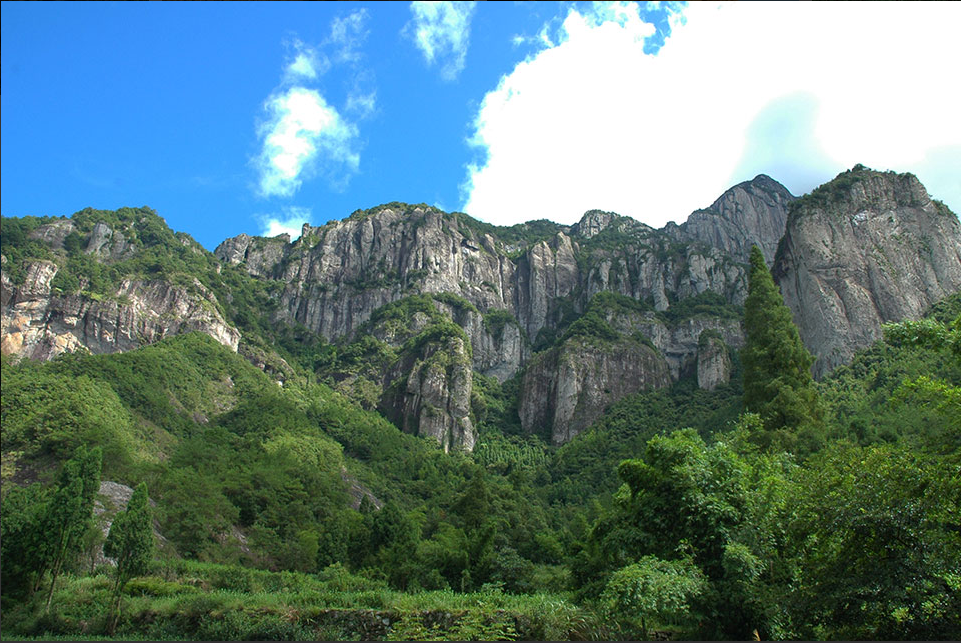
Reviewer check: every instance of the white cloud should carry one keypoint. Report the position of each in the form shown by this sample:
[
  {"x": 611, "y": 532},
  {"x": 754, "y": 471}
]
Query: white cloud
[
  {"x": 347, "y": 35},
  {"x": 792, "y": 89},
  {"x": 303, "y": 134},
  {"x": 291, "y": 222},
  {"x": 303, "y": 66},
  {"x": 441, "y": 30}
]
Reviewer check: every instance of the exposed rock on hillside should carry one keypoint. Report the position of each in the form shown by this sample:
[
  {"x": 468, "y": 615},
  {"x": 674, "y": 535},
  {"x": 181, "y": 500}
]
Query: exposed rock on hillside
[
  {"x": 41, "y": 325},
  {"x": 41, "y": 319},
  {"x": 413, "y": 300},
  {"x": 752, "y": 212},
  {"x": 568, "y": 388},
  {"x": 865, "y": 249},
  {"x": 259, "y": 254},
  {"x": 430, "y": 394},
  {"x": 713, "y": 362}
]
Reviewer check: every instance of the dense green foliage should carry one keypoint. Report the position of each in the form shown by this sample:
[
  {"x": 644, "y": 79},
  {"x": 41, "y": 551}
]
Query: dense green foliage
[
  {"x": 130, "y": 544},
  {"x": 777, "y": 367}
]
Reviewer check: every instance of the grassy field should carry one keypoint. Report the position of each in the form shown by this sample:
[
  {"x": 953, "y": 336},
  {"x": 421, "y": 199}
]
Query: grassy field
[{"x": 198, "y": 601}]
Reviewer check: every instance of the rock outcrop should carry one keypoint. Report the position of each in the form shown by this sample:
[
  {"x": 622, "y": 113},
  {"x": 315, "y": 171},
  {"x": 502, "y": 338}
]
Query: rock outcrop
[
  {"x": 40, "y": 325},
  {"x": 865, "y": 249},
  {"x": 713, "y": 362},
  {"x": 430, "y": 394},
  {"x": 568, "y": 388},
  {"x": 439, "y": 296},
  {"x": 40, "y": 320},
  {"x": 750, "y": 213}
]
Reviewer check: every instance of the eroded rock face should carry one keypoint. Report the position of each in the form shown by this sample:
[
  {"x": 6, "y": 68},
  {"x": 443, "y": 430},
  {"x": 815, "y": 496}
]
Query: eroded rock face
[
  {"x": 259, "y": 254},
  {"x": 38, "y": 324},
  {"x": 713, "y": 363},
  {"x": 872, "y": 249},
  {"x": 568, "y": 388},
  {"x": 752, "y": 212},
  {"x": 335, "y": 277},
  {"x": 431, "y": 394}
]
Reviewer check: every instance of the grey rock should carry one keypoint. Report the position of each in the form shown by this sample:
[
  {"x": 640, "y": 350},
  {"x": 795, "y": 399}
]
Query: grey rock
[
  {"x": 40, "y": 325},
  {"x": 99, "y": 237},
  {"x": 53, "y": 234},
  {"x": 876, "y": 251},
  {"x": 713, "y": 363},
  {"x": 752, "y": 212},
  {"x": 568, "y": 388},
  {"x": 435, "y": 398}
]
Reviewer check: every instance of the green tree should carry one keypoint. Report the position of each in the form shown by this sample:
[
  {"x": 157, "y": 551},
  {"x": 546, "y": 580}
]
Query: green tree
[
  {"x": 23, "y": 543},
  {"x": 130, "y": 544},
  {"x": 777, "y": 368},
  {"x": 934, "y": 393},
  {"x": 652, "y": 590},
  {"x": 878, "y": 541},
  {"x": 721, "y": 507},
  {"x": 70, "y": 510}
]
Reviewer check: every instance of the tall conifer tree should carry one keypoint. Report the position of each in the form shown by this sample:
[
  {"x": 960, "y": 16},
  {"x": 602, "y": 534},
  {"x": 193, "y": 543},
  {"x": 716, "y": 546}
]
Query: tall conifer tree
[
  {"x": 777, "y": 368},
  {"x": 130, "y": 543}
]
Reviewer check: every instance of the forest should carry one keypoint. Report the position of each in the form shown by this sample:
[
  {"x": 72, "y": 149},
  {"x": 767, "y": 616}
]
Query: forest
[{"x": 773, "y": 507}]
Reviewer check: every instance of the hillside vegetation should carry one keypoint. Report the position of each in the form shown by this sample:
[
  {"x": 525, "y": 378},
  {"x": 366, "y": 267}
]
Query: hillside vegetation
[{"x": 286, "y": 505}]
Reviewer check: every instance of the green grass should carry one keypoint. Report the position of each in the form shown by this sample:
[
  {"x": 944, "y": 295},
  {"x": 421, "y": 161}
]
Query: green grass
[{"x": 194, "y": 601}]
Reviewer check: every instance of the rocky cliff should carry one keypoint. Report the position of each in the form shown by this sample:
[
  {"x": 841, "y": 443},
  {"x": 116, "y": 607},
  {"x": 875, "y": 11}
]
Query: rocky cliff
[
  {"x": 65, "y": 302},
  {"x": 750, "y": 213},
  {"x": 407, "y": 302},
  {"x": 569, "y": 387},
  {"x": 865, "y": 249},
  {"x": 518, "y": 287},
  {"x": 336, "y": 276}
]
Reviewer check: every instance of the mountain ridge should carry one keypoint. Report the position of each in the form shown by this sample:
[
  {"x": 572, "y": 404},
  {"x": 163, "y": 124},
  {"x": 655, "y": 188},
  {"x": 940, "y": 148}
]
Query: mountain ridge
[{"x": 496, "y": 297}]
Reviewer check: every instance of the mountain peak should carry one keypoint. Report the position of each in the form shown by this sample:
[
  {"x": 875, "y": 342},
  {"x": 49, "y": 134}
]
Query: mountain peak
[
  {"x": 750, "y": 213},
  {"x": 864, "y": 189}
]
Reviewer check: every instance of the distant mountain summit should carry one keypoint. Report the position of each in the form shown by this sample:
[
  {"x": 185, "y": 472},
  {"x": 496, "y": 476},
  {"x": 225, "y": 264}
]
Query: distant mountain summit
[{"x": 750, "y": 213}]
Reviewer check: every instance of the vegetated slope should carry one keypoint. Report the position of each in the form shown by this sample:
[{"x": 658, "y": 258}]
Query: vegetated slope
[
  {"x": 244, "y": 470},
  {"x": 298, "y": 477}
]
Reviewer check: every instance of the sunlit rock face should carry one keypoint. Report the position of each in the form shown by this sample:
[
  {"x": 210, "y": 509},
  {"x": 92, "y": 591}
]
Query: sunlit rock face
[
  {"x": 568, "y": 388},
  {"x": 871, "y": 248},
  {"x": 750, "y": 213},
  {"x": 40, "y": 324},
  {"x": 864, "y": 249}
]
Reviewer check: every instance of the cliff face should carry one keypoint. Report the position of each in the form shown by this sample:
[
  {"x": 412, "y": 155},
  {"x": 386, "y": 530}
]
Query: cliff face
[
  {"x": 568, "y": 388},
  {"x": 414, "y": 301},
  {"x": 336, "y": 276},
  {"x": 40, "y": 324},
  {"x": 519, "y": 287},
  {"x": 431, "y": 394},
  {"x": 862, "y": 250},
  {"x": 750, "y": 213},
  {"x": 713, "y": 362}
]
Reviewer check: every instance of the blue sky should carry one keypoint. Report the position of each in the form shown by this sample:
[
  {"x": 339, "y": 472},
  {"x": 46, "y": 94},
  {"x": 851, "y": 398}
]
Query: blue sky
[{"x": 250, "y": 117}]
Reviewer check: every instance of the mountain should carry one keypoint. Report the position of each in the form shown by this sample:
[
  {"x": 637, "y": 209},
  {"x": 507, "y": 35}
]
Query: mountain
[
  {"x": 750, "y": 213},
  {"x": 864, "y": 249},
  {"x": 406, "y": 309},
  {"x": 411, "y": 424}
]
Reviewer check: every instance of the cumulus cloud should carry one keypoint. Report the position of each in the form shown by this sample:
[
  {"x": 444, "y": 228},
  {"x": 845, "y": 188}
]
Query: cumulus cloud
[
  {"x": 593, "y": 121},
  {"x": 441, "y": 30},
  {"x": 307, "y": 64},
  {"x": 290, "y": 221},
  {"x": 303, "y": 134}
]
